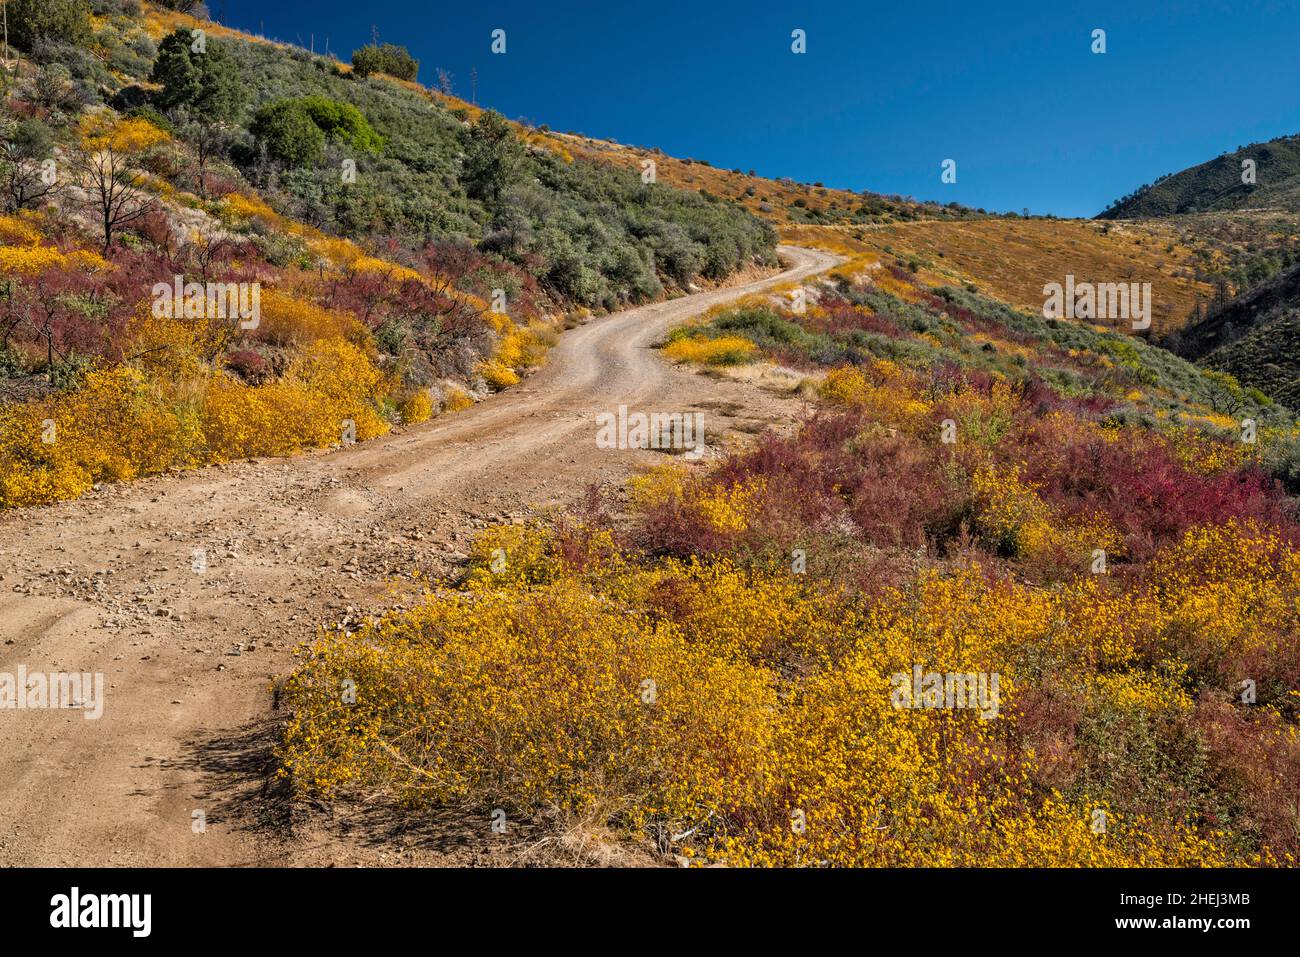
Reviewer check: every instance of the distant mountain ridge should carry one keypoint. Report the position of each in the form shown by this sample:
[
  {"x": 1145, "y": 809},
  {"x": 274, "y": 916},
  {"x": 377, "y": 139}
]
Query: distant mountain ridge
[{"x": 1217, "y": 185}]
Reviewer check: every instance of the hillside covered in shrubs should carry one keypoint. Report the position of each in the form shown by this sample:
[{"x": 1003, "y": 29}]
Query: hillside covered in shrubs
[
  {"x": 402, "y": 256},
  {"x": 215, "y": 247},
  {"x": 1221, "y": 184},
  {"x": 1255, "y": 337},
  {"x": 974, "y": 491}
]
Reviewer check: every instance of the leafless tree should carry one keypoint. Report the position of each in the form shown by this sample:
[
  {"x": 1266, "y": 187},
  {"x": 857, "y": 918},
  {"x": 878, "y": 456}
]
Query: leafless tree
[
  {"x": 207, "y": 139},
  {"x": 114, "y": 189}
]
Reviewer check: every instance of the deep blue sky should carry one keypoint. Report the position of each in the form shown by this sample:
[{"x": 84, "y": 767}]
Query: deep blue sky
[{"x": 885, "y": 92}]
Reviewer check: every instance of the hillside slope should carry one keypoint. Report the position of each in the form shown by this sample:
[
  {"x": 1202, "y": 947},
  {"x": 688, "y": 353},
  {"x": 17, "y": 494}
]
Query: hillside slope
[
  {"x": 596, "y": 235},
  {"x": 1218, "y": 185},
  {"x": 1255, "y": 337},
  {"x": 1011, "y": 259},
  {"x": 399, "y": 256}
]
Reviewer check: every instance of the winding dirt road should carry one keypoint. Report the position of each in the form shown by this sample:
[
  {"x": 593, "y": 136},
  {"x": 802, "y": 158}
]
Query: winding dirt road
[{"x": 175, "y": 772}]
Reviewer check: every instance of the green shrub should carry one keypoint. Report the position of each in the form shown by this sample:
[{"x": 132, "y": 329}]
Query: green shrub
[
  {"x": 288, "y": 134},
  {"x": 493, "y": 157},
  {"x": 295, "y": 131},
  {"x": 67, "y": 21},
  {"x": 387, "y": 58},
  {"x": 342, "y": 122},
  {"x": 204, "y": 82}
]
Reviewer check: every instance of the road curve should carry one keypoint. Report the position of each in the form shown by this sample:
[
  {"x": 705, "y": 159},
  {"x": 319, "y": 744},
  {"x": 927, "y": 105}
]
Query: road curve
[{"x": 174, "y": 771}]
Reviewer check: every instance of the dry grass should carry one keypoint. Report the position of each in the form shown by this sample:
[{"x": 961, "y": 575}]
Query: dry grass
[{"x": 1012, "y": 259}]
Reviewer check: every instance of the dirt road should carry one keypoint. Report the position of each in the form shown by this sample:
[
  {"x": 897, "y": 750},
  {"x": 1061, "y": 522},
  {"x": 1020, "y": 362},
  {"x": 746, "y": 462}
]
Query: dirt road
[{"x": 175, "y": 770}]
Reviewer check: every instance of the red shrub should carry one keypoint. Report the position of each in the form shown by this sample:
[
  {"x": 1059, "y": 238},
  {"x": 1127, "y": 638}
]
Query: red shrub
[
  {"x": 841, "y": 477},
  {"x": 249, "y": 366},
  {"x": 1149, "y": 496},
  {"x": 841, "y": 317},
  {"x": 1256, "y": 762}
]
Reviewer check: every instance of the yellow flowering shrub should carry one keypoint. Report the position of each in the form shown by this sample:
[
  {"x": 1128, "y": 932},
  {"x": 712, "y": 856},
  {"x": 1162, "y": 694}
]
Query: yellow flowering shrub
[
  {"x": 328, "y": 393},
  {"x": 658, "y": 485},
  {"x": 518, "y": 348},
  {"x": 396, "y": 272},
  {"x": 496, "y": 375},
  {"x": 1060, "y": 835},
  {"x": 740, "y": 614},
  {"x": 1141, "y": 691},
  {"x": 125, "y": 134},
  {"x": 868, "y": 783},
  {"x": 344, "y": 384},
  {"x": 753, "y": 715},
  {"x": 1017, "y": 523},
  {"x": 19, "y": 231},
  {"x": 1205, "y": 456},
  {"x": 274, "y": 419},
  {"x": 724, "y": 350},
  {"x": 881, "y": 390},
  {"x": 28, "y": 260},
  {"x": 523, "y": 698},
  {"x": 1011, "y": 514},
  {"x": 115, "y": 427},
  {"x": 287, "y": 320},
  {"x": 515, "y": 349},
  {"x": 1227, "y": 591},
  {"x": 455, "y": 400},
  {"x": 121, "y": 423},
  {"x": 513, "y": 554},
  {"x": 844, "y": 385},
  {"x": 416, "y": 407},
  {"x": 727, "y": 508},
  {"x": 240, "y": 207},
  {"x": 173, "y": 350}
]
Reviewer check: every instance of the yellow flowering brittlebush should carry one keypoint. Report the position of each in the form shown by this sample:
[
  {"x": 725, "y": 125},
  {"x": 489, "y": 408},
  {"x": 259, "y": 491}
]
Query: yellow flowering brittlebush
[
  {"x": 532, "y": 697},
  {"x": 102, "y": 131},
  {"x": 1015, "y": 521},
  {"x": 115, "y": 427},
  {"x": 287, "y": 320},
  {"x": 20, "y": 230},
  {"x": 882, "y": 390},
  {"x": 416, "y": 407},
  {"x": 29, "y": 260},
  {"x": 121, "y": 423},
  {"x": 723, "y": 350},
  {"x": 455, "y": 400},
  {"x": 756, "y": 716}
]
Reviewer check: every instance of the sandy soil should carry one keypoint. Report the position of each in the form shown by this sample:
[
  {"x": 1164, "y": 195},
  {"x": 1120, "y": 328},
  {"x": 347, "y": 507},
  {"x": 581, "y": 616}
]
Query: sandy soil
[{"x": 107, "y": 584}]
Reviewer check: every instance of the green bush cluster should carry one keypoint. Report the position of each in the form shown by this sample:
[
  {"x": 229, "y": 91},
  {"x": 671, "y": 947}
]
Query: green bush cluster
[
  {"x": 286, "y": 132},
  {"x": 592, "y": 234},
  {"x": 295, "y": 131},
  {"x": 65, "y": 21},
  {"x": 385, "y": 58}
]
